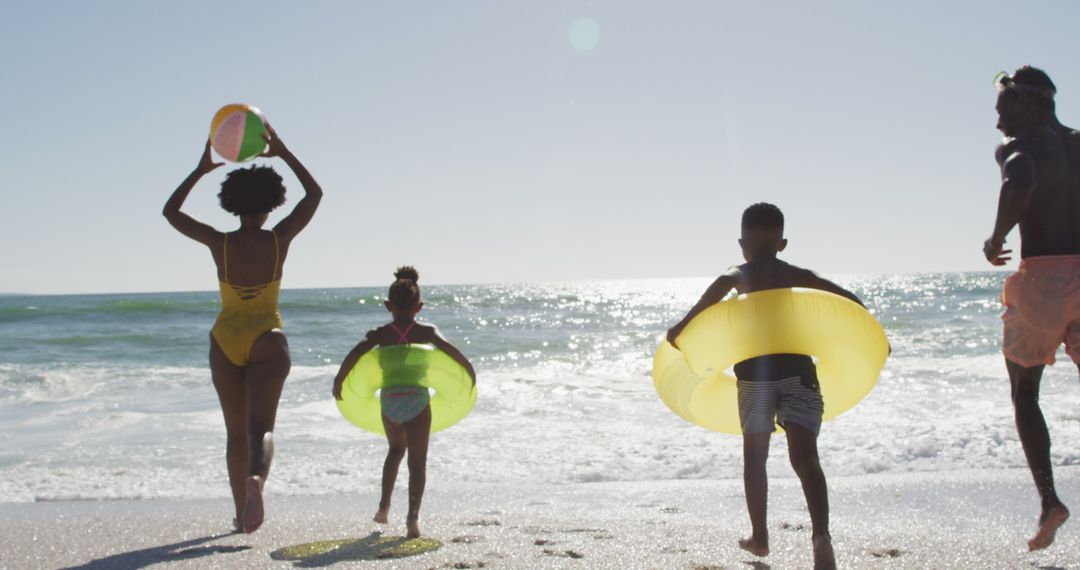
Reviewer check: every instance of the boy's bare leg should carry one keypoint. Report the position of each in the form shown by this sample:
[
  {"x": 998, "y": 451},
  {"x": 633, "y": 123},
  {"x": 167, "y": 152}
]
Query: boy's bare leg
[
  {"x": 756, "y": 484},
  {"x": 395, "y": 439},
  {"x": 803, "y": 452},
  {"x": 1035, "y": 438}
]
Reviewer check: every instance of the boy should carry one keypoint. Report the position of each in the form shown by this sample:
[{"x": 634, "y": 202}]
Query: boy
[{"x": 776, "y": 388}]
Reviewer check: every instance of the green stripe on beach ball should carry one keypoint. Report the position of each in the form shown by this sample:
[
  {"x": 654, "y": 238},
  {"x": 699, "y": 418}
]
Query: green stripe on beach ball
[{"x": 253, "y": 143}]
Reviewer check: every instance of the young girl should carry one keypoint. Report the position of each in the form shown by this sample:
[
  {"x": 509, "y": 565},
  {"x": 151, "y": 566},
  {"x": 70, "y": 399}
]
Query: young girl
[{"x": 406, "y": 414}]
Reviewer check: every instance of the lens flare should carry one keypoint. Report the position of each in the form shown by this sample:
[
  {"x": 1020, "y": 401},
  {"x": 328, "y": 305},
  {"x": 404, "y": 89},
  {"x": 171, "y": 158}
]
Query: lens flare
[{"x": 584, "y": 34}]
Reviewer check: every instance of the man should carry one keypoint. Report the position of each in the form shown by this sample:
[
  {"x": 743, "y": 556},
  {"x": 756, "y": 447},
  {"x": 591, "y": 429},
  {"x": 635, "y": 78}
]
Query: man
[{"x": 1040, "y": 191}]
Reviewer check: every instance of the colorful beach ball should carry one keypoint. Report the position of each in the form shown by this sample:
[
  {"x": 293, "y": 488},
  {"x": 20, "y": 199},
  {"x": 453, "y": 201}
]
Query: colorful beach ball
[{"x": 236, "y": 132}]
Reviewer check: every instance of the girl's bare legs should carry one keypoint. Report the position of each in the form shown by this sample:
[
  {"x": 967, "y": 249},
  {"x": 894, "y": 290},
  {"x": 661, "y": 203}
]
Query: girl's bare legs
[
  {"x": 417, "y": 435},
  {"x": 395, "y": 439}
]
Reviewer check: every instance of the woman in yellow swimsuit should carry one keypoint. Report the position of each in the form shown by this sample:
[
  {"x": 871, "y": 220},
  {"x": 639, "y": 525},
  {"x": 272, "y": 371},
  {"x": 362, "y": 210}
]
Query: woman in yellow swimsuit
[{"x": 249, "y": 355}]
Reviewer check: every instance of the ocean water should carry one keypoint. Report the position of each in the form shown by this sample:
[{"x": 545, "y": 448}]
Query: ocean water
[{"x": 109, "y": 396}]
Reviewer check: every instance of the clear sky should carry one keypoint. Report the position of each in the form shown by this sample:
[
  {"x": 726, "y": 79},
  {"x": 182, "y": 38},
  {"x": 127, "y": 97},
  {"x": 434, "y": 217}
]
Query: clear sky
[{"x": 495, "y": 141}]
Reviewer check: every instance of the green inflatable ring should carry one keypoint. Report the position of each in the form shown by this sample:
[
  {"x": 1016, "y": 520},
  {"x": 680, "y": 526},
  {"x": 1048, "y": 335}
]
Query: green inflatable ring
[
  {"x": 847, "y": 341},
  {"x": 406, "y": 365}
]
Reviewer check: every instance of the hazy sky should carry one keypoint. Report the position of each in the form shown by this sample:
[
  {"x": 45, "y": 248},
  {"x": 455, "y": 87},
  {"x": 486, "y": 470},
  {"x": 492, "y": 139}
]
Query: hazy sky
[{"x": 515, "y": 141}]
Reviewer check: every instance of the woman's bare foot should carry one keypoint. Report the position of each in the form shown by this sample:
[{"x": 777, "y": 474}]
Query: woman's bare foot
[
  {"x": 382, "y": 515},
  {"x": 751, "y": 546},
  {"x": 413, "y": 527},
  {"x": 253, "y": 504},
  {"x": 1048, "y": 525},
  {"x": 236, "y": 525},
  {"x": 824, "y": 557}
]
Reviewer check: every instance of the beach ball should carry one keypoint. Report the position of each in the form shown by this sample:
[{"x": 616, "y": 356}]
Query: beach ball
[{"x": 236, "y": 132}]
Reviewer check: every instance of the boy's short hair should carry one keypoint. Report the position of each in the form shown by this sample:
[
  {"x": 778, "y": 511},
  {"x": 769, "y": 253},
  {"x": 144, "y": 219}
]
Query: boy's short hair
[
  {"x": 255, "y": 190},
  {"x": 763, "y": 216}
]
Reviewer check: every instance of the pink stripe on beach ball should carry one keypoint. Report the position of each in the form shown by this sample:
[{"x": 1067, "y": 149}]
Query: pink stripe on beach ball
[{"x": 230, "y": 135}]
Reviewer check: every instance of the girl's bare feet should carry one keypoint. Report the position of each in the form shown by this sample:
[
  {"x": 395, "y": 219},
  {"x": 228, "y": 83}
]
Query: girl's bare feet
[
  {"x": 253, "y": 504},
  {"x": 382, "y": 515}
]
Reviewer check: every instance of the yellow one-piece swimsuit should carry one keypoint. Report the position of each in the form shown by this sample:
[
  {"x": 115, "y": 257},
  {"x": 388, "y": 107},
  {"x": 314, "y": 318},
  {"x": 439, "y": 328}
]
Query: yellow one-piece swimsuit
[{"x": 247, "y": 311}]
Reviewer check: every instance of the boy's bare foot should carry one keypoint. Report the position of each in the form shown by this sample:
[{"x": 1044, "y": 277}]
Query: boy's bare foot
[
  {"x": 413, "y": 526},
  {"x": 824, "y": 557},
  {"x": 381, "y": 516},
  {"x": 253, "y": 504},
  {"x": 1051, "y": 520},
  {"x": 754, "y": 548}
]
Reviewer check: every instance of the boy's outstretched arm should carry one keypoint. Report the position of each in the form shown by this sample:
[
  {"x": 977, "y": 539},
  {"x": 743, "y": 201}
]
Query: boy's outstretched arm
[
  {"x": 713, "y": 295},
  {"x": 350, "y": 361},
  {"x": 444, "y": 345},
  {"x": 817, "y": 282},
  {"x": 812, "y": 280}
]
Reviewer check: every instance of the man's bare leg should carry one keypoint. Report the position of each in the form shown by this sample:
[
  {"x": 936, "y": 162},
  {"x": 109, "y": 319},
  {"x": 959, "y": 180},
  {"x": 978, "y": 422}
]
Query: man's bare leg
[{"x": 1035, "y": 438}]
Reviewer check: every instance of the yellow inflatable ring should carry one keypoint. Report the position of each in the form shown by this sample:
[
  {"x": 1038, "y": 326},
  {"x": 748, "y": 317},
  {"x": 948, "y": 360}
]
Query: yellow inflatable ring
[
  {"x": 847, "y": 342},
  {"x": 401, "y": 365}
]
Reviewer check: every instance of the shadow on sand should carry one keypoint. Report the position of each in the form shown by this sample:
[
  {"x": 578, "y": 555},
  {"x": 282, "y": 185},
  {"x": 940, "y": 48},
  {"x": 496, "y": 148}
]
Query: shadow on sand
[
  {"x": 374, "y": 546},
  {"x": 185, "y": 550}
]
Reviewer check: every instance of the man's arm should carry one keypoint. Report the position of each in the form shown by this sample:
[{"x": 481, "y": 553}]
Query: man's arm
[
  {"x": 1017, "y": 182},
  {"x": 713, "y": 295}
]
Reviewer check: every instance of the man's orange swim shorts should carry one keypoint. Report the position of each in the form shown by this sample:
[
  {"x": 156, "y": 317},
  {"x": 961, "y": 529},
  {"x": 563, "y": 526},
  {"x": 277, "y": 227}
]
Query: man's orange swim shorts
[{"x": 1042, "y": 310}]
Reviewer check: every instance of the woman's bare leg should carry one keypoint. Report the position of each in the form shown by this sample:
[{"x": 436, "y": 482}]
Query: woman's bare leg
[
  {"x": 229, "y": 383},
  {"x": 265, "y": 373}
]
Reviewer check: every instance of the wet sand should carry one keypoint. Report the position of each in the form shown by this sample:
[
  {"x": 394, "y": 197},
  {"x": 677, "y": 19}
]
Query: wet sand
[{"x": 923, "y": 520}]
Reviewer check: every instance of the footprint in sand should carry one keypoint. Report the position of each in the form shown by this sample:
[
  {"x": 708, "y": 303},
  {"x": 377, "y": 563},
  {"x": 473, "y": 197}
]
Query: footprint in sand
[
  {"x": 596, "y": 530},
  {"x": 467, "y": 539},
  {"x": 886, "y": 553},
  {"x": 462, "y": 565},
  {"x": 563, "y": 554},
  {"x": 795, "y": 527},
  {"x": 671, "y": 510},
  {"x": 484, "y": 522}
]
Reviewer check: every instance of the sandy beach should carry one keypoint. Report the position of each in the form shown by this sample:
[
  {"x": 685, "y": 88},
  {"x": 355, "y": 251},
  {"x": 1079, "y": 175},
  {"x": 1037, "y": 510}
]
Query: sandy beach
[{"x": 964, "y": 519}]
